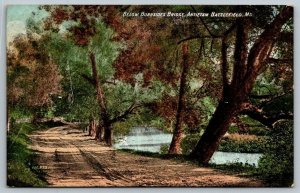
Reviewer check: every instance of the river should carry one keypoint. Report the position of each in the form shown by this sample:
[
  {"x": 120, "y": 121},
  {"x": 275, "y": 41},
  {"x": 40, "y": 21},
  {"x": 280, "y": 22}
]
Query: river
[{"x": 151, "y": 139}]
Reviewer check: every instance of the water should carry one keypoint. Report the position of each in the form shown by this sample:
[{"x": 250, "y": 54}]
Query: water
[
  {"x": 151, "y": 139},
  {"x": 232, "y": 157},
  {"x": 148, "y": 139}
]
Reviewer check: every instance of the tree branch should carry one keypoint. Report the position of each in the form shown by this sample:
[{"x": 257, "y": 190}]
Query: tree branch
[
  {"x": 205, "y": 25},
  {"x": 125, "y": 114},
  {"x": 240, "y": 52},
  {"x": 224, "y": 66},
  {"x": 268, "y": 120},
  {"x": 262, "y": 47},
  {"x": 197, "y": 37},
  {"x": 279, "y": 60},
  {"x": 89, "y": 79}
]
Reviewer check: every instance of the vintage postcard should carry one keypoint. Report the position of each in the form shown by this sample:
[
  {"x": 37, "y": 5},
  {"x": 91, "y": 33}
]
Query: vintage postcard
[{"x": 150, "y": 95}]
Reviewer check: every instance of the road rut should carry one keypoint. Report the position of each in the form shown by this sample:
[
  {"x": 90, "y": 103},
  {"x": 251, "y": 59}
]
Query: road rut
[{"x": 71, "y": 158}]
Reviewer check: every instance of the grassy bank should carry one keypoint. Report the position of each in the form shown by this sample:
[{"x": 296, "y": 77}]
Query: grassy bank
[{"x": 22, "y": 169}]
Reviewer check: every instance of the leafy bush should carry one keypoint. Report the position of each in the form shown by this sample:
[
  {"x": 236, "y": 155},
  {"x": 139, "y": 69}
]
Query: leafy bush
[
  {"x": 242, "y": 146},
  {"x": 259, "y": 131},
  {"x": 233, "y": 129},
  {"x": 227, "y": 145},
  {"x": 277, "y": 164},
  {"x": 22, "y": 169},
  {"x": 164, "y": 149},
  {"x": 189, "y": 142}
]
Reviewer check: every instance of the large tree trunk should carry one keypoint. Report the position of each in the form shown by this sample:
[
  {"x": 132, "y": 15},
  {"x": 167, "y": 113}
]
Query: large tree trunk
[
  {"x": 215, "y": 130},
  {"x": 102, "y": 103},
  {"x": 177, "y": 133},
  {"x": 246, "y": 69}
]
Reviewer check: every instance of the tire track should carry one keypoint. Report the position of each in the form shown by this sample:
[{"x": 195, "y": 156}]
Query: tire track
[{"x": 73, "y": 159}]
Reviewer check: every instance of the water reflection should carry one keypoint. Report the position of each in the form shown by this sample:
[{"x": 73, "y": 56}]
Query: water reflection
[
  {"x": 151, "y": 139},
  {"x": 144, "y": 139}
]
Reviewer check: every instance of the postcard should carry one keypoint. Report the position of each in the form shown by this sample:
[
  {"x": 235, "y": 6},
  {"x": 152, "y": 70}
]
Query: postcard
[{"x": 150, "y": 96}]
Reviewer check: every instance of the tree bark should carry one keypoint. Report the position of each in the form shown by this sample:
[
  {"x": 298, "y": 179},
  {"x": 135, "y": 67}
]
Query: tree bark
[
  {"x": 92, "y": 127},
  {"x": 99, "y": 131},
  {"x": 102, "y": 103},
  {"x": 246, "y": 69},
  {"x": 217, "y": 127},
  {"x": 177, "y": 133},
  {"x": 108, "y": 135}
]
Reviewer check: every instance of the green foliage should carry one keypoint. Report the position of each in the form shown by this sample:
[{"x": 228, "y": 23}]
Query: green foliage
[
  {"x": 233, "y": 129},
  {"x": 189, "y": 142},
  {"x": 236, "y": 168},
  {"x": 242, "y": 146},
  {"x": 277, "y": 164},
  {"x": 259, "y": 131},
  {"x": 252, "y": 127},
  {"x": 283, "y": 104},
  {"x": 19, "y": 112},
  {"x": 227, "y": 145},
  {"x": 79, "y": 101},
  {"x": 20, "y": 175},
  {"x": 22, "y": 169},
  {"x": 164, "y": 149},
  {"x": 122, "y": 128}
]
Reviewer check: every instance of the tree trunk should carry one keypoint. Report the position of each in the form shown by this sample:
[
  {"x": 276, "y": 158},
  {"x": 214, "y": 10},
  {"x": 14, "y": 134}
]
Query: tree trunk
[
  {"x": 246, "y": 69},
  {"x": 92, "y": 127},
  {"x": 99, "y": 132},
  {"x": 177, "y": 133},
  {"x": 216, "y": 129},
  {"x": 101, "y": 102},
  {"x": 108, "y": 135}
]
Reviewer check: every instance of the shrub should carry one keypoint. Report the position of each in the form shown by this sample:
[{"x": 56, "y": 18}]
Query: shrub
[
  {"x": 242, "y": 145},
  {"x": 189, "y": 142},
  {"x": 259, "y": 131},
  {"x": 22, "y": 169},
  {"x": 227, "y": 145},
  {"x": 277, "y": 163},
  {"x": 164, "y": 149}
]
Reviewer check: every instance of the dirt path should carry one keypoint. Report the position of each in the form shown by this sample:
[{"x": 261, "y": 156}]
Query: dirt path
[{"x": 71, "y": 158}]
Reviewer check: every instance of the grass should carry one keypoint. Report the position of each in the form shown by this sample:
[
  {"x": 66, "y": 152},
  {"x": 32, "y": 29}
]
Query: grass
[
  {"x": 181, "y": 157},
  {"x": 22, "y": 169},
  {"x": 240, "y": 168}
]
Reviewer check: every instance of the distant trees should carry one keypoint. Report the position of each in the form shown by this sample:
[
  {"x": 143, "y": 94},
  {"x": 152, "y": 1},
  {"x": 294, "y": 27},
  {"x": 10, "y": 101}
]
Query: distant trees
[{"x": 33, "y": 77}]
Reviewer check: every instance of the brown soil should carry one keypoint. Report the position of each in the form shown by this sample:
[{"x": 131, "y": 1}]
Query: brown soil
[{"x": 70, "y": 158}]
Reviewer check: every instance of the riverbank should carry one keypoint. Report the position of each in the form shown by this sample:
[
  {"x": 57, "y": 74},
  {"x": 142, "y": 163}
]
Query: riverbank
[{"x": 70, "y": 158}]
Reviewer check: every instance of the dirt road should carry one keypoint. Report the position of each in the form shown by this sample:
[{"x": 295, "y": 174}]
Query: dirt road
[{"x": 71, "y": 158}]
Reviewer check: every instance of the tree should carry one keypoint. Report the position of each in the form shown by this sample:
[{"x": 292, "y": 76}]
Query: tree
[
  {"x": 97, "y": 41},
  {"x": 178, "y": 130},
  {"x": 247, "y": 67},
  {"x": 30, "y": 70}
]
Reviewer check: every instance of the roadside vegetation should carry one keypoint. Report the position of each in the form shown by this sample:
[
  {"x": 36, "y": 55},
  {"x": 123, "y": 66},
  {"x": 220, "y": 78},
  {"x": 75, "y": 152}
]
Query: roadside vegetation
[{"x": 22, "y": 167}]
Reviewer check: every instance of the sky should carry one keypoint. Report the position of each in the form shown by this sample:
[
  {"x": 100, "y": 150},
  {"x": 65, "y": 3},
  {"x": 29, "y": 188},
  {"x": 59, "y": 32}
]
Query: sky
[{"x": 17, "y": 16}]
